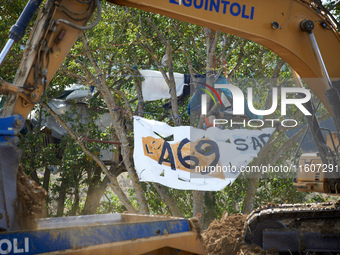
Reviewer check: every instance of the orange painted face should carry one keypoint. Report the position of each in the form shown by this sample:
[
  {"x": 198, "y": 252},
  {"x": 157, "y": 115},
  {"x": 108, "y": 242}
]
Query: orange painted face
[{"x": 177, "y": 155}]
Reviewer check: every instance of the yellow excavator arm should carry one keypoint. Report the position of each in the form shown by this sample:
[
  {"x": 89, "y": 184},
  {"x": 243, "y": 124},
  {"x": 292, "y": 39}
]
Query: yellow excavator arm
[
  {"x": 275, "y": 24},
  {"x": 55, "y": 32}
]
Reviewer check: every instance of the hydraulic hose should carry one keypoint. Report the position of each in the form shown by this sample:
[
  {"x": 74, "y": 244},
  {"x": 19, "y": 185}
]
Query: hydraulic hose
[{"x": 99, "y": 11}]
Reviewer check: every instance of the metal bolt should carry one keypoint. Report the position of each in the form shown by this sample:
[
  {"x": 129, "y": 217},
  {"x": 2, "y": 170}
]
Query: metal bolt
[
  {"x": 275, "y": 25},
  {"x": 18, "y": 123},
  {"x": 307, "y": 26}
]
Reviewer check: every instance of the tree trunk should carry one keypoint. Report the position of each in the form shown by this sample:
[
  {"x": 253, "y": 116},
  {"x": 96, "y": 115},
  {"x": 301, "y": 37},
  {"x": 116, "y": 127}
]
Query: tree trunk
[
  {"x": 249, "y": 199},
  {"x": 35, "y": 177},
  {"x": 210, "y": 214},
  {"x": 261, "y": 159},
  {"x": 93, "y": 197},
  {"x": 62, "y": 196},
  {"x": 46, "y": 184},
  {"x": 120, "y": 132},
  {"x": 75, "y": 205},
  {"x": 167, "y": 199},
  {"x": 211, "y": 42},
  {"x": 248, "y": 204},
  {"x": 91, "y": 202},
  {"x": 198, "y": 206}
]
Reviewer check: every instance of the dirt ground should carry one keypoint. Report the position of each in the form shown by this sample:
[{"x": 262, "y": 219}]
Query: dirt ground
[
  {"x": 224, "y": 237},
  {"x": 31, "y": 199}
]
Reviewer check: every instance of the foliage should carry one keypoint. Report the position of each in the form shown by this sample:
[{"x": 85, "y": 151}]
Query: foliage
[
  {"x": 124, "y": 41},
  {"x": 110, "y": 204}
]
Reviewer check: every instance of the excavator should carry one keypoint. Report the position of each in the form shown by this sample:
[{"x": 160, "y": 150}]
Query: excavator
[{"x": 302, "y": 32}]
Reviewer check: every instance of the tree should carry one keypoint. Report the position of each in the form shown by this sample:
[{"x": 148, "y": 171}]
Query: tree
[{"x": 108, "y": 58}]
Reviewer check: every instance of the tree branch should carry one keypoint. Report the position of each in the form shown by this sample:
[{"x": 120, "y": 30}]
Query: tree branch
[
  {"x": 113, "y": 180},
  {"x": 119, "y": 128}
]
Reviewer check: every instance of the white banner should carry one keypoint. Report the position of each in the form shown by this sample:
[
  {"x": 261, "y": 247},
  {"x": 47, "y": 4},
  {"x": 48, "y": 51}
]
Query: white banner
[
  {"x": 192, "y": 159},
  {"x": 154, "y": 86}
]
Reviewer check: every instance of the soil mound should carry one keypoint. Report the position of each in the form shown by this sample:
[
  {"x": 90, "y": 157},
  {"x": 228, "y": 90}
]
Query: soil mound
[
  {"x": 224, "y": 237},
  {"x": 31, "y": 200}
]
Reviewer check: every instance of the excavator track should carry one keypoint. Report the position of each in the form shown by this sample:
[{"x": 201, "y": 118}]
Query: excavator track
[{"x": 296, "y": 228}]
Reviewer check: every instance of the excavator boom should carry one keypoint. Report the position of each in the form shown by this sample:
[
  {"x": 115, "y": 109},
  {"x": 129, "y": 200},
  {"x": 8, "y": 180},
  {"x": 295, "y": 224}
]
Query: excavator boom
[{"x": 274, "y": 24}]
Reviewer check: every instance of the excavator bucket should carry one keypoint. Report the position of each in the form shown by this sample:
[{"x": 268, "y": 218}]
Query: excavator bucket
[
  {"x": 9, "y": 164},
  {"x": 107, "y": 234}
]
